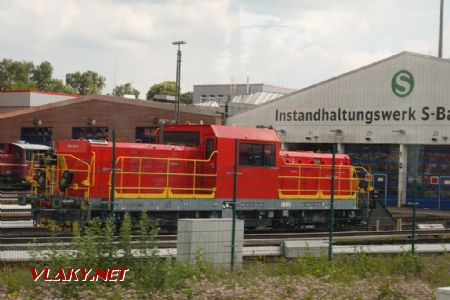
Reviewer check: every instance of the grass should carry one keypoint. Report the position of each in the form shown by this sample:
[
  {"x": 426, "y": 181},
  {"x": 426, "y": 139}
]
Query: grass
[
  {"x": 381, "y": 276},
  {"x": 157, "y": 276}
]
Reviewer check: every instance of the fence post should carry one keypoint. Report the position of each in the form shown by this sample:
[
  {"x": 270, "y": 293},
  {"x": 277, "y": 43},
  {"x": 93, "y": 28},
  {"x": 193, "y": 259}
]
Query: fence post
[
  {"x": 413, "y": 229},
  {"x": 331, "y": 216},
  {"x": 233, "y": 226},
  {"x": 113, "y": 175}
]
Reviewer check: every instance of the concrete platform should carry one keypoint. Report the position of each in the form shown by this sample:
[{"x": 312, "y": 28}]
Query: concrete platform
[
  {"x": 423, "y": 216},
  {"x": 420, "y": 212}
]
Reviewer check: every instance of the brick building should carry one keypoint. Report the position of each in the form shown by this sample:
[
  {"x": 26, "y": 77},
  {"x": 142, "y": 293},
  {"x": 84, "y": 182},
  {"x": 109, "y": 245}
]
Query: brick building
[{"x": 92, "y": 116}]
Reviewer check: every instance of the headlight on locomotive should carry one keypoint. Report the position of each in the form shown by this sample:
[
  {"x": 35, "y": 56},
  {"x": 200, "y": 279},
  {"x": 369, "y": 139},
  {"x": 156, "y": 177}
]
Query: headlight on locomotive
[{"x": 65, "y": 181}]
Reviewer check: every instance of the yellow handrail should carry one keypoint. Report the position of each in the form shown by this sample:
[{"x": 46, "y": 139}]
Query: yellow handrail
[
  {"x": 165, "y": 191},
  {"x": 342, "y": 176}
]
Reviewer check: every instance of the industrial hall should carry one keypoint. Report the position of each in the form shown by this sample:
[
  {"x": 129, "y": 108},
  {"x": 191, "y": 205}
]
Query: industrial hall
[{"x": 392, "y": 117}]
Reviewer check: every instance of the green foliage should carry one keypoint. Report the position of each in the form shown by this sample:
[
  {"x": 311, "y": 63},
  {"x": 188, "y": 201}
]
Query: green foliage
[
  {"x": 162, "y": 88},
  {"x": 42, "y": 75},
  {"x": 23, "y": 75},
  {"x": 385, "y": 292},
  {"x": 168, "y": 88},
  {"x": 14, "y": 279},
  {"x": 125, "y": 89},
  {"x": 186, "y": 98},
  {"x": 16, "y": 75},
  {"x": 87, "y": 83},
  {"x": 125, "y": 238},
  {"x": 408, "y": 264}
]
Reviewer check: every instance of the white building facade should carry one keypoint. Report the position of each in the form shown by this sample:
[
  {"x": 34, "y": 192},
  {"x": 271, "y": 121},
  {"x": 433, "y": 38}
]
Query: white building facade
[{"x": 392, "y": 116}]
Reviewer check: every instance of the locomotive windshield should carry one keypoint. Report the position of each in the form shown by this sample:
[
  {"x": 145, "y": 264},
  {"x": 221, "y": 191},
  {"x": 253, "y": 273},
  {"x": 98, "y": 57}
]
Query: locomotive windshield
[
  {"x": 257, "y": 155},
  {"x": 186, "y": 138}
]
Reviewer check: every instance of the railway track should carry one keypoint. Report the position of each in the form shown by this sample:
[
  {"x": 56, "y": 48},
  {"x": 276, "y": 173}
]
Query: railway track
[
  {"x": 254, "y": 239},
  {"x": 12, "y": 213}
]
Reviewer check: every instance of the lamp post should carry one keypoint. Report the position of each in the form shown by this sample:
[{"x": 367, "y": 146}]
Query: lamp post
[
  {"x": 177, "y": 83},
  {"x": 441, "y": 22}
]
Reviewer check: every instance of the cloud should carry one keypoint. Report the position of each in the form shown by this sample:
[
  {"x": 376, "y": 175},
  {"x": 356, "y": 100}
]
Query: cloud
[{"x": 292, "y": 43}]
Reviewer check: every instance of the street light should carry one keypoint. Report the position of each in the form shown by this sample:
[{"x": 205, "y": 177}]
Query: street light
[{"x": 177, "y": 83}]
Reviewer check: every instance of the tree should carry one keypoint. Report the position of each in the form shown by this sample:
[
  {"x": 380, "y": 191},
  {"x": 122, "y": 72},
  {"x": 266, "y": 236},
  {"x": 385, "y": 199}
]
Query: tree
[
  {"x": 168, "y": 88},
  {"x": 186, "y": 98},
  {"x": 162, "y": 88},
  {"x": 15, "y": 75},
  {"x": 23, "y": 75},
  {"x": 87, "y": 83},
  {"x": 125, "y": 89},
  {"x": 42, "y": 76}
]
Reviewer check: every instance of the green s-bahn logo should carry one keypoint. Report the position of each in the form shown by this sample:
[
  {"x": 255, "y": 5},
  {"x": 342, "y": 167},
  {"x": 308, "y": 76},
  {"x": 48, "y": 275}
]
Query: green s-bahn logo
[{"x": 402, "y": 83}]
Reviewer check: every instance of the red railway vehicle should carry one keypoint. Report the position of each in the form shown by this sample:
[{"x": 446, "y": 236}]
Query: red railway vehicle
[
  {"x": 189, "y": 172},
  {"x": 15, "y": 163}
]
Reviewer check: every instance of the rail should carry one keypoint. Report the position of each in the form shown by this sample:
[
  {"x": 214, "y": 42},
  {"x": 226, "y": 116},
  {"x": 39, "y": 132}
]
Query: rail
[{"x": 155, "y": 177}]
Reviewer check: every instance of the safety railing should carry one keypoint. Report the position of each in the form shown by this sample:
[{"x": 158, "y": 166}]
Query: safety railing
[
  {"x": 45, "y": 177},
  {"x": 154, "y": 177},
  {"x": 313, "y": 181}
]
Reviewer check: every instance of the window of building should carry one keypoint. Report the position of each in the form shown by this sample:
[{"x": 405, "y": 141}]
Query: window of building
[
  {"x": 220, "y": 98},
  {"x": 256, "y": 155},
  {"x": 145, "y": 134},
  {"x": 212, "y": 97},
  {"x": 90, "y": 133},
  {"x": 41, "y": 135},
  {"x": 204, "y": 98}
]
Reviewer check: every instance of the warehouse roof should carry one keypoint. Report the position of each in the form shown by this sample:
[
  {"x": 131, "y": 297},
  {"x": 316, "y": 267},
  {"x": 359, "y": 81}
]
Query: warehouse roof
[{"x": 112, "y": 99}]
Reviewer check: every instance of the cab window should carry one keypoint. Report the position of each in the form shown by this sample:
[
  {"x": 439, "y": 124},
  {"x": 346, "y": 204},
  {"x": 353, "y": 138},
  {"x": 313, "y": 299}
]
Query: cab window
[{"x": 256, "y": 155}]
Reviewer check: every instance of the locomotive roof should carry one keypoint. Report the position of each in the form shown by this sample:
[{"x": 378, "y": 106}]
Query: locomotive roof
[
  {"x": 312, "y": 154},
  {"x": 26, "y": 146},
  {"x": 232, "y": 132},
  {"x": 261, "y": 134}
]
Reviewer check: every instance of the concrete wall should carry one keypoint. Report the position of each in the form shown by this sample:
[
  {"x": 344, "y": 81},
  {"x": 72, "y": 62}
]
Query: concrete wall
[
  {"x": 30, "y": 98},
  {"x": 209, "y": 238}
]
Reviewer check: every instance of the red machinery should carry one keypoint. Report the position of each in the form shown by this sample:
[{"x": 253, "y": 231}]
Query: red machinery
[
  {"x": 15, "y": 161},
  {"x": 190, "y": 173}
]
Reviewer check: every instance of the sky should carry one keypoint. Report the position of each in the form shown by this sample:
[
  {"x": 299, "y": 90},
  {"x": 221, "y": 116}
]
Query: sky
[{"x": 289, "y": 43}]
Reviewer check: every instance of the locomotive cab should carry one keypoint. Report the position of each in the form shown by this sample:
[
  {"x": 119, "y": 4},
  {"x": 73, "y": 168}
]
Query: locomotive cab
[{"x": 15, "y": 162}]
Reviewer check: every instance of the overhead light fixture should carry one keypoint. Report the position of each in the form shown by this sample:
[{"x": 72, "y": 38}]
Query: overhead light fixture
[
  {"x": 308, "y": 138},
  {"x": 399, "y": 131},
  {"x": 337, "y": 131},
  {"x": 368, "y": 138},
  {"x": 434, "y": 139},
  {"x": 37, "y": 122},
  {"x": 91, "y": 121}
]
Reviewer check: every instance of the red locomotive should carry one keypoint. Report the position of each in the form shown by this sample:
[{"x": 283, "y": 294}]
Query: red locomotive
[
  {"x": 189, "y": 172},
  {"x": 15, "y": 160}
]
